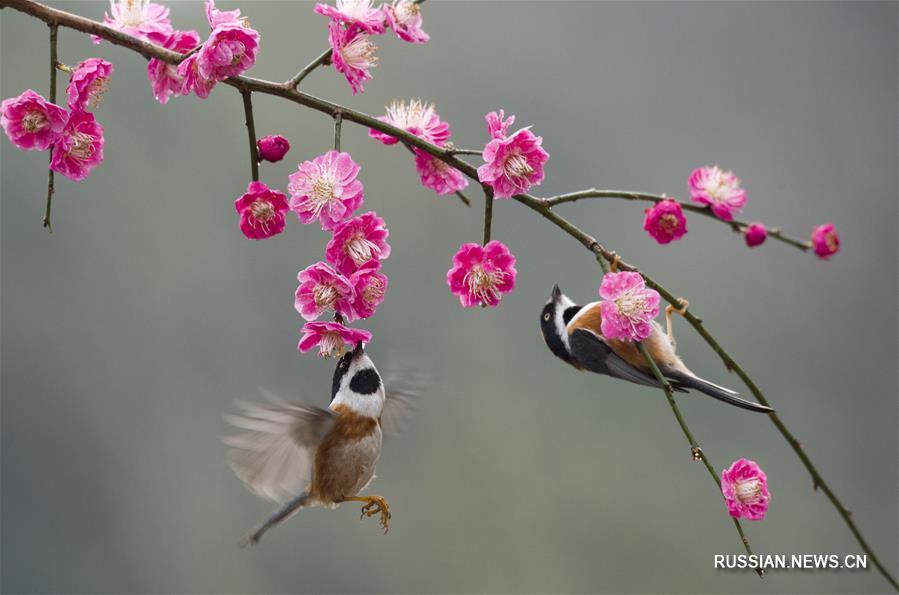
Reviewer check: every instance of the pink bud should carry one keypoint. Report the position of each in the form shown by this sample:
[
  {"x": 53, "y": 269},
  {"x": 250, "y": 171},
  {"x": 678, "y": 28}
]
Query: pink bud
[
  {"x": 272, "y": 148},
  {"x": 755, "y": 234},
  {"x": 825, "y": 241}
]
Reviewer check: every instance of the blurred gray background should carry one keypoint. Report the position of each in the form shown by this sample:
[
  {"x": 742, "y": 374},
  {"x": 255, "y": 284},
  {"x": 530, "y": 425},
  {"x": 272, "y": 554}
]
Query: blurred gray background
[{"x": 128, "y": 332}]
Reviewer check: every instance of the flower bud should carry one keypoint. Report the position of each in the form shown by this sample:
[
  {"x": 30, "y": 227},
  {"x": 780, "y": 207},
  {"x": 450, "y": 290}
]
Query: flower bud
[
  {"x": 272, "y": 148},
  {"x": 755, "y": 234}
]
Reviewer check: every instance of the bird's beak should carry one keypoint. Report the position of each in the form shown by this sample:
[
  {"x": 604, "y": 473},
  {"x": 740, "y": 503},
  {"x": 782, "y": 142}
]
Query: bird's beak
[
  {"x": 358, "y": 350},
  {"x": 557, "y": 293}
]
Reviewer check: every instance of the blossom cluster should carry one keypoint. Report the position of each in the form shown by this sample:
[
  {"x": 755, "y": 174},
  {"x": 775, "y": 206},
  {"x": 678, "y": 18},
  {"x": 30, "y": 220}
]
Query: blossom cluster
[
  {"x": 354, "y": 22},
  {"x": 349, "y": 282},
  {"x": 230, "y": 49},
  {"x": 72, "y": 134},
  {"x": 722, "y": 193}
]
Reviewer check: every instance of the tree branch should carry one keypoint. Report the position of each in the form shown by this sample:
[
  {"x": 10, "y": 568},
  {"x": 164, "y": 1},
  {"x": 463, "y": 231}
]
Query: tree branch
[
  {"x": 455, "y": 151},
  {"x": 736, "y": 225},
  {"x": 540, "y": 206}
]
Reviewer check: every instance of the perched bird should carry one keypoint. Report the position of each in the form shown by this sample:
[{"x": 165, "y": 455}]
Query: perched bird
[
  {"x": 572, "y": 333},
  {"x": 301, "y": 456}
]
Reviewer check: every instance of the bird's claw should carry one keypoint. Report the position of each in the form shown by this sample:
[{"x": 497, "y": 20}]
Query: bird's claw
[
  {"x": 669, "y": 310},
  {"x": 377, "y": 505}
]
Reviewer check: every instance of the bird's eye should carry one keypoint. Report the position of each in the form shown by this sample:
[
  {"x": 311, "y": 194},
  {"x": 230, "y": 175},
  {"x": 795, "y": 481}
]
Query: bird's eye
[
  {"x": 546, "y": 317},
  {"x": 343, "y": 364}
]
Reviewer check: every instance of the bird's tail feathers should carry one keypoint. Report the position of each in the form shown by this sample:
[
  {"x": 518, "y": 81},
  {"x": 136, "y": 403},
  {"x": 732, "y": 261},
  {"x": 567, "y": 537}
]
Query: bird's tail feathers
[
  {"x": 713, "y": 390},
  {"x": 279, "y": 516}
]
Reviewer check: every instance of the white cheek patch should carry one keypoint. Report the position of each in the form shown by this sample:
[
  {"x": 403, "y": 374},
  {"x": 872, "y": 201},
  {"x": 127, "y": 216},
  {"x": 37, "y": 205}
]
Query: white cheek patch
[{"x": 564, "y": 304}]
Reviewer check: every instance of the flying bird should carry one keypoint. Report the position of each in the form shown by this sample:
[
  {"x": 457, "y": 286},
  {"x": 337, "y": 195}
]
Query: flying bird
[
  {"x": 572, "y": 332},
  {"x": 301, "y": 456}
]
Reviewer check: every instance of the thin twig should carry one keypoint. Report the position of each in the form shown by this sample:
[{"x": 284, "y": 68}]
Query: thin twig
[
  {"x": 251, "y": 133},
  {"x": 736, "y": 225},
  {"x": 54, "y": 63},
  {"x": 696, "y": 451},
  {"x": 465, "y": 200},
  {"x": 338, "y": 121},
  {"x": 190, "y": 53},
  {"x": 323, "y": 60},
  {"x": 488, "y": 212},
  {"x": 149, "y": 50}
]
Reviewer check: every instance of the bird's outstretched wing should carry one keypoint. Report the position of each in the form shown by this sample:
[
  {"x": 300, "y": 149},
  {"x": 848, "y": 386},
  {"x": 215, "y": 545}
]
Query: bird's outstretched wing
[
  {"x": 403, "y": 392},
  {"x": 273, "y": 454}
]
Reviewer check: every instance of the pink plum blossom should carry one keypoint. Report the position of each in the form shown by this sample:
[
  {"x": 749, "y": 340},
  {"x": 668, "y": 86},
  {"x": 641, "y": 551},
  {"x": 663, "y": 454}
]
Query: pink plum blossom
[
  {"x": 164, "y": 78},
  {"x": 358, "y": 241},
  {"x": 272, "y": 148},
  {"x": 331, "y": 337},
  {"x": 720, "y": 190},
  {"x": 480, "y": 275},
  {"x": 80, "y": 149},
  {"x": 230, "y": 51},
  {"x": 218, "y": 17},
  {"x": 322, "y": 289},
  {"x": 370, "y": 287},
  {"x": 513, "y": 163},
  {"x": 437, "y": 175},
  {"x": 31, "y": 122},
  {"x": 627, "y": 307},
  {"x": 88, "y": 83},
  {"x": 665, "y": 221},
  {"x": 191, "y": 79},
  {"x": 360, "y": 13},
  {"x": 326, "y": 189},
  {"x": 745, "y": 489},
  {"x": 139, "y": 18},
  {"x": 352, "y": 54},
  {"x": 498, "y": 124},
  {"x": 415, "y": 117},
  {"x": 404, "y": 17},
  {"x": 825, "y": 241},
  {"x": 261, "y": 211},
  {"x": 755, "y": 234}
]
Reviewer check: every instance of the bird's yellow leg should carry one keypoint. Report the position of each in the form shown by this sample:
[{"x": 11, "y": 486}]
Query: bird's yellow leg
[
  {"x": 669, "y": 310},
  {"x": 374, "y": 505},
  {"x": 613, "y": 266}
]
